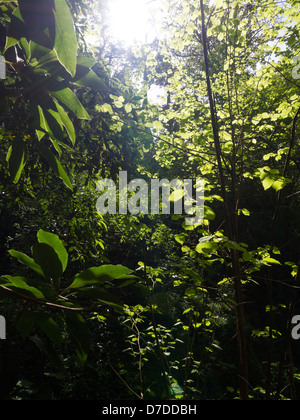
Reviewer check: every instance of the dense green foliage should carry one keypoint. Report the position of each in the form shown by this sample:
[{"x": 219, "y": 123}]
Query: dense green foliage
[{"x": 146, "y": 306}]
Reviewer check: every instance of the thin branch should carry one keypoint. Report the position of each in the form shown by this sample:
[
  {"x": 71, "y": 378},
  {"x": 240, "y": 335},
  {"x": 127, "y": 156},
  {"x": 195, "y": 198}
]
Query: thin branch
[
  {"x": 43, "y": 303},
  {"x": 124, "y": 382},
  {"x": 176, "y": 146},
  {"x": 293, "y": 141}
]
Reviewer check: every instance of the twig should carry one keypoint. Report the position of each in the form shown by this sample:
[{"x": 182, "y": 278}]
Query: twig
[
  {"x": 124, "y": 382},
  {"x": 43, "y": 303}
]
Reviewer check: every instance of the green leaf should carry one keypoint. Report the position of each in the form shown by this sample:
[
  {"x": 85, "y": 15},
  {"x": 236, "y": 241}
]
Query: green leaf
[
  {"x": 279, "y": 184},
  {"x": 86, "y": 77},
  {"x": 98, "y": 275},
  {"x": 68, "y": 98},
  {"x": 79, "y": 335},
  {"x": 267, "y": 182},
  {"x": 33, "y": 19},
  {"x": 50, "y": 121},
  {"x": 29, "y": 262},
  {"x": 16, "y": 159},
  {"x": 180, "y": 239},
  {"x": 56, "y": 243},
  {"x": 22, "y": 284},
  {"x": 50, "y": 327},
  {"x": 47, "y": 258},
  {"x": 245, "y": 212},
  {"x": 42, "y": 54},
  {"x": 294, "y": 266},
  {"x": 25, "y": 323},
  {"x": 65, "y": 43},
  {"x": 158, "y": 125},
  {"x": 177, "y": 195},
  {"x": 207, "y": 247},
  {"x": 100, "y": 295},
  {"x": 16, "y": 29},
  {"x": 233, "y": 245},
  {"x": 269, "y": 260},
  {"x": 84, "y": 61},
  {"x": 37, "y": 14},
  {"x": 26, "y": 48},
  {"x": 10, "y": 41},
  {"x": 55, "y": 165},
  {"x": 206, "y": 239},
  {"x": 128, "y": 108},
  {"x": 209, "y": 214},
  {"x": 176, "y": 390},
  {"x": 107, "y": 108},
  {"x": 67, "y": 123}
]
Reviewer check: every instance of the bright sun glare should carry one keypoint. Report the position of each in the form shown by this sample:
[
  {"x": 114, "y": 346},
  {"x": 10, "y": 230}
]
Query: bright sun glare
[{"x": 129, "y": 21}]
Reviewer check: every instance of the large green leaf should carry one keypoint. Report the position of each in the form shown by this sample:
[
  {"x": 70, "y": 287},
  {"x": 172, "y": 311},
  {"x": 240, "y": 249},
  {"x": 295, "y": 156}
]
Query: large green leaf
[
  {"x": 50, "y": 327},
  {"x": 65, "y": 43},
  {"x": 50, "y": 254},
  {"x": 25, "y": 45},
  {"x": 16, "y": 159},
  {"x": 50, "y": 122},
  {"x": 98, "y": 275},
  {"x": 209, "y": 214},
  {"x": 42, "y": 54},
  {"x": 47, "y": 120},
  {"x": 30, "y": 20},
  {"x": 79, "y": 334},
  {"x": 267, "y": 182},
  {"x": 84, "y": 61},
  {"x": 68, "y": 98},
  {"x": 22, "y": 284},
  {"x": 29, "y": 262},
  {"x": 207, "y": 247},
  {"x": 47, "y": 258},
  {"x": 100, "y": 295},
  {"x": 38, "y": 14},
  {"x": 56, "y": 243},
  {"x": 86, "y": 77},
  {"x": 67, "y": 123},
  {"x": 28, "y": 319},
  {"x": 16, "y": 30}
]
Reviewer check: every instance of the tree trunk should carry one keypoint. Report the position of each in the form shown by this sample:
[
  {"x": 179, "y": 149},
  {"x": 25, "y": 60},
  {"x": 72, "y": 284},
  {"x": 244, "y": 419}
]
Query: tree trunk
[{"x": 232, "y": 229}]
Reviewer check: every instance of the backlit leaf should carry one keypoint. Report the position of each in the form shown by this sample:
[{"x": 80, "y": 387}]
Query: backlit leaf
[
  {"x": 65, "y": 43},
  {"x": 98, "y": 275},
  {"x": 68, "y": 98},
  {"x": 29, "y": 262},
  {"x": 67, "y": 123},
  {"x": 16, "y": 159}
]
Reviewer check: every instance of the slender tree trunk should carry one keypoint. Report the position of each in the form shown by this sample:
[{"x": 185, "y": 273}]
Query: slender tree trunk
[
  {"x": 287, "y": 354},
  {"x": 232, "y": 228}
]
